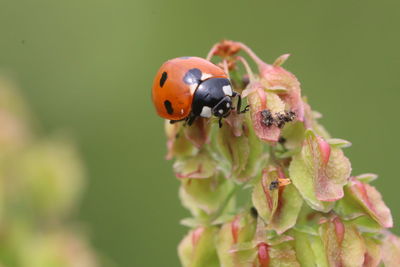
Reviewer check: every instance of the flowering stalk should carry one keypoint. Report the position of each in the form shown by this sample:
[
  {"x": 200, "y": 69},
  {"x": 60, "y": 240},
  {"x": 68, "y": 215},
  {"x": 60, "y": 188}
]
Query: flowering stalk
[
  {"x": 302, "y": 206},
  {"x": 40, "y": 183}
]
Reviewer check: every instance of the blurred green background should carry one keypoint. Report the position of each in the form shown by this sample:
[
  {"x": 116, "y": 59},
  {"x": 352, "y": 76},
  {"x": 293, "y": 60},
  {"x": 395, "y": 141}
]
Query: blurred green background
[{"x": 87, "y": 67}]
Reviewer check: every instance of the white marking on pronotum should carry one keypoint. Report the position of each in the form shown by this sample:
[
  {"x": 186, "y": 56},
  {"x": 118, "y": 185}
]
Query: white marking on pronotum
[
  {"x": 206, "y": 112},
  {"x": 227, "y": 90},
  {"x": 220, "y": 111},
  {"x": 205, "y": 76},
  {"x": 182, "y": 111},
  {"x": 228, "y": 104},
  {"x": 193, "y": 88}
]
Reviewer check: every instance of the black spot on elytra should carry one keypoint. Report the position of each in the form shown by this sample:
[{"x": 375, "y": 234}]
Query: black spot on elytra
[
  {"x": 163, "y": 78},
  {"x": 192, "y": 76},
  {"x": 168, "y": 107}
]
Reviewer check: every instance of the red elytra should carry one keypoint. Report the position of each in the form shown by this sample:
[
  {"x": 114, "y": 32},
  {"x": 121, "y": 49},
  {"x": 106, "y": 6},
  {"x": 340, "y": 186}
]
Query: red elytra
[{"x": 176, "y": 82}]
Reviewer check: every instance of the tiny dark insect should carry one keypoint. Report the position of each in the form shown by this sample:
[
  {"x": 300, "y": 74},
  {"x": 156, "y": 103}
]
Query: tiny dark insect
[
  {"x": 290, "y": 116},
  {"x": 279, "y": 119},
  {"x": 274, "y": 185},
  {"x": 280, "y": 182},
  {"x": 267, "y": 118}
]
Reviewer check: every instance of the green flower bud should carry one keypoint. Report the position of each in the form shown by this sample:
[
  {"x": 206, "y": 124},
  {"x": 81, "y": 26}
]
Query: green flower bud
[
  {"x": 319, "y": 172},
  {"x": 344, "y": 245},
  {"x": 364, "y": 200},
  {"x": 238, "y": 231},
  {"x": 278, "y": 208},
  {"x": 206, "y": 196},
  {"x": 197, "y": 248}
]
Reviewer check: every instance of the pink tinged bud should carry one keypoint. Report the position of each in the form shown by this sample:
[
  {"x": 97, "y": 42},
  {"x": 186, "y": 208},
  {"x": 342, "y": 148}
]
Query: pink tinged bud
[
  {"x": 263, "y": 254},
  {"x": 177, "y": 143},
  {"x": 234, "y": 241},
  {"x": 372, "y": 202},
  {"x": 343, "y": 243},
  {"x": 224, "y": 49},
  {"x": 277, "y": 206},
  {"x": 391, "y": 250},
  {"x": 261, "y": 101},
  {"x": 265, "y": 133},
  {"x": 199, "y": 132},
  {"x": 197, "y": 248},
  {"x": 274, "y": 76},
  {"x": 319, "y": 172}
]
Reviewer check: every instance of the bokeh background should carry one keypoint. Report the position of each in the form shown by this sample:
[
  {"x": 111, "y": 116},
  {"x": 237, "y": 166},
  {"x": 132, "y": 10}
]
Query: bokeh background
[{"x": 86, "y": 67}]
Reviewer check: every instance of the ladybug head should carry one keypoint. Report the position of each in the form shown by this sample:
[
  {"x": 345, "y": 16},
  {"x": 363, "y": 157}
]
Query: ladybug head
[
  {"x": 223, "y": 107},
  {"x": 213, "y": 97}
]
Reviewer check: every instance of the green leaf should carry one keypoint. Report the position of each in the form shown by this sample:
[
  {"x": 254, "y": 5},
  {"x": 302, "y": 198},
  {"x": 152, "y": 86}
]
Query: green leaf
[
  {"x": 367, "y": 177},
  {"x": 339, "y": 143}
]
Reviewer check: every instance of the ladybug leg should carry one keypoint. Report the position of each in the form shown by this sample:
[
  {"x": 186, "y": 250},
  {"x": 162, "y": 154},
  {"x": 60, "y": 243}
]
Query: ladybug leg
[
  {"x": 220, "y": 122},
  {"x": 175, "y": 121},
  {"x": 190, "y": 119},
  {"x": 239, "y": 105}
]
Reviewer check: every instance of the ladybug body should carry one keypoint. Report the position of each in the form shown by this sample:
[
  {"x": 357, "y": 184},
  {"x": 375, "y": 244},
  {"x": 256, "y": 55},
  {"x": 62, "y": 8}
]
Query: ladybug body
[{"x": 188, "y": 87}]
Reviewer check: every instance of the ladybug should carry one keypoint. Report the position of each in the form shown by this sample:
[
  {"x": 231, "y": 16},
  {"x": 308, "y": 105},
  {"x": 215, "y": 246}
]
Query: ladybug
[{"x": 185, "y": 88}]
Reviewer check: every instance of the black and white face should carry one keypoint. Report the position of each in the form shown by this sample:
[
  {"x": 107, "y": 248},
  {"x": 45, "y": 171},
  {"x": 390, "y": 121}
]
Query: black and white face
[
  {"x": 223, "y": 108},
  {"x": 213, "y": 97}
]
